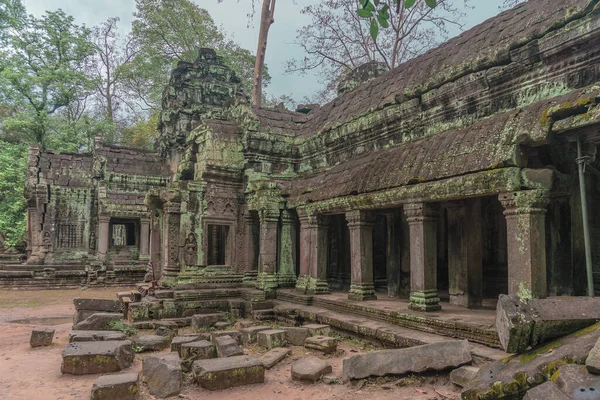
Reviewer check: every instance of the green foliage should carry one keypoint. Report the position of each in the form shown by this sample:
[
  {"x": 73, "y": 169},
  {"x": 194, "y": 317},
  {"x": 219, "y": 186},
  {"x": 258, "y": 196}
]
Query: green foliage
[
  {"x": 120, "y": 326},
  {"x": 13, "y": 164},
  {"x": 378, "y": 12},
  {"x": 142, "y": 133}
]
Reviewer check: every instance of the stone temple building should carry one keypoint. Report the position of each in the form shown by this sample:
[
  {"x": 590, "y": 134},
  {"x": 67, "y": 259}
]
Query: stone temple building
[{"x": 453, "y": 176}]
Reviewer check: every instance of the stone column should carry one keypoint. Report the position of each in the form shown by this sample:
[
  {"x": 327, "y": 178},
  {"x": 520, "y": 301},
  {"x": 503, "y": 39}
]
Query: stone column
[
  {"x": 422, "y": 219},
  {"x": 103, "y": 233},
  {"x": 286, "y": 273},
  {"x": 465, "y": 259},
  {"x": 319, "y": 230},
  {"x": 360, "y": 224},
  {"x": 251, "y": 267},
  {"x": 305, "y": 250},
  {"x": 394, "y": 253},
  {"x": 144, "y": 238},
  {"x": 526, "y": 233},
  {"x": 171, "y": 246},
  {"x": 267, "y": 270}
]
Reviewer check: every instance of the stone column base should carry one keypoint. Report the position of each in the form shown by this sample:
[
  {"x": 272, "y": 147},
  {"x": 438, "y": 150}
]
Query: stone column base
[
  {"x": 362, "y": 291},
  {"x": 286, "y": 280},
  {"x": 317, "y": 286},
  {"x": 427, "y": 300},
  {"x": 250, "y": 276},
  {"x": 464, "y": 300},
  {"x": 266, "y": 282},
  {"x": 302, "y": 283}
]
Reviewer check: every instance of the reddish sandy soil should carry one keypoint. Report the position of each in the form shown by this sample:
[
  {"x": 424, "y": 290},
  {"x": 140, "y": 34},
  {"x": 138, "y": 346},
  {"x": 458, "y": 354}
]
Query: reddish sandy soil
[{"x": 34, "y": 374}]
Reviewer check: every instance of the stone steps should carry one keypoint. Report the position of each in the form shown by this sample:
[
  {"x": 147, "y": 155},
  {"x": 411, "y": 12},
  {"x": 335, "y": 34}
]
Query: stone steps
[{"x": 263, "y": 315}]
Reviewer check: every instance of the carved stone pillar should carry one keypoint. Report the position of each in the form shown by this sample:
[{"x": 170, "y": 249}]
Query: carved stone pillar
[
  {"x": 144, "y": 238},
  {"x": 465, "y": 259},
  {"x": 251, "y": 267},
  {"x": 286, "y": 273},
  {"x": 361, "y": 225},
  {"x": 103, "y": 233},
  {"x": 313, "y": 254},
  {"x": 305, "y": 250},
  {"x": 171, "y": 246},
  {"x": 422, "y": 219},
  {"x": 526, "y": 233},
  {"x": 267, "y": 269}
]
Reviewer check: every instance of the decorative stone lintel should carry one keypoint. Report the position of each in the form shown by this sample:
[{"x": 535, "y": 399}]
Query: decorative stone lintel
[
  {"x": 427, "y": 300},
  {"x": 362, "y": 291}
]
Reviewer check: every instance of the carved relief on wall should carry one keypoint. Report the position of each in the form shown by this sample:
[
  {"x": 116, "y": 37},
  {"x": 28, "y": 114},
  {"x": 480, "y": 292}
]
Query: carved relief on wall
[
  {"x": 222, "y": 207},
  {"x": 92, "y": 240},
  {"x": 173, "y": 237},
  {"x": 46, "y": 241},
  {"x": 190, "y": 250}
]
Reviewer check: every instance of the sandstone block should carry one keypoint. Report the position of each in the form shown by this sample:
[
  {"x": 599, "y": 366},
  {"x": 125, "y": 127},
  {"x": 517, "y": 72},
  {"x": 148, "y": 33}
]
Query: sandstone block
[
  {"x": 150, "y": 342},
  {"x": 249, "y": 334},
  {"x": 162, "y": 373},
  {"x": 205, "y": 321},
  {"x": 317, "y": 329},
  {"x": 197, "y": 350},
  {"x": 296, "y": 335},
  {"x": 271, "y": 338},
  {"x": 95, "y": 336},
  {"x": 98, "y": 322},
  {"x": 103, "y": 305},
  {"x": 41, "y": 337},
  {"x": 237, "y": 335},
  {"x": 227, "y": 347},
  {"x": 180, "y": 340},
  {"x": 96, "y": 357},
  {"x": 222, "y": 325},
  {"x": 545, "y": 391},
  {"x": 223, "y": 373},
  {"x": 592, "y": 361},
  {"x": 273, "y": 356},
  {"x": 310, "y": 369},
  {"x": 116, "y": 387},
  {"x": 463, "y": 375},
  {"x": 576, "y": 383},
  {"x": 325, "y": 344},
  {"x": 429, "y": 357}
]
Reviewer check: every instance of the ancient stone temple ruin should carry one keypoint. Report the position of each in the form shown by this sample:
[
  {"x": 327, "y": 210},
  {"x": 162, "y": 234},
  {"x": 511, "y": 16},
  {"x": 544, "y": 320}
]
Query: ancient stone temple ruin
[{"x": 453, "y": 177}]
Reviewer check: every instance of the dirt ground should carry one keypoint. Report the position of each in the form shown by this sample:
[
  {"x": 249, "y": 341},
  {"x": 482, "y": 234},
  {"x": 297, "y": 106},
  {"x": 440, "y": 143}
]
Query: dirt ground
[{"x": 27, "y": 373}]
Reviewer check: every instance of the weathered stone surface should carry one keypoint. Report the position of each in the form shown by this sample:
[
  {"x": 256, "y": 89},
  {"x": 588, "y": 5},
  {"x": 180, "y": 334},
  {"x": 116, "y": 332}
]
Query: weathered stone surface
[
  {"x": 116, "y": 387},
  {"x": 249, "y": 334},
  {"x": 223, "y": 373},
  {"x": 96, "y": 357},
  {"x": 513, "y": 323},
  {"x": 41, "y": 337},
  {"x": 546, "y": 391},
  {"x": 273, "y": 356},
  {"x": 574, "y": 381},
  {"x": 81, "y": 315},
  {"x": 180, "y": 340},
  {"x": 164, "y": 331},
  {"x": 162, "y": 373},
  {"x": 429, "y": 357},
  {"x": 197, "y": 350},
  {"x": 325, "y": 344},
  {"x": 98, "y": 322},
  {"x": 95, "y": 336},
  {"x": 205, "y": 321},
  {"x": 150, "y": 342},
  {"x": 295, "y": 335},
  {"x": 271, "y": 338},
  {"x": 222, "y": 325},
  {"x": 592, "y": 362},
  {"x": 310, "y": 369},
  {"x": 98, "y": 305},
  {"x": 463, "y": 375},
  {"x": 237, "y": 335},
  {"x": 317, "y": 329},
  {"x": 163, "y": 294},
  {"x": 227, "y": 347}
]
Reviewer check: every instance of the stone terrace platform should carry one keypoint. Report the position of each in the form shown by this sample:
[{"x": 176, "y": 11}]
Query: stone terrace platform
[{"x": 475, "y": 325}]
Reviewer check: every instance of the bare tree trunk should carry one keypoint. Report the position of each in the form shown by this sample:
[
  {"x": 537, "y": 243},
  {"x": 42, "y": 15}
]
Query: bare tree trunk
[{"x": 266, "y": 19}]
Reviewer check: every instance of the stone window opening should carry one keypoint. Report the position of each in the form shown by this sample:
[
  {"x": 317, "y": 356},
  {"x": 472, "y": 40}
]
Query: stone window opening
[
  {"x": 218, "y": 244},
  {"x": 124, "y": 233}
]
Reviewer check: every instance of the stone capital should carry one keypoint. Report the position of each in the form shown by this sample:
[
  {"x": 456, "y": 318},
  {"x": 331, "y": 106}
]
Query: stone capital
[
  {"x": 172, "y": 207},
  {"x": 524, "y": 202},
  {"x": 360, "y": 218},
  {"x": 421, "y": 212},
  {"x": 312, "y": 219},
  {"x": 268, "y": 215},
  {"x": 104, "y": 218},
  {"x": 287, "y": 218}
]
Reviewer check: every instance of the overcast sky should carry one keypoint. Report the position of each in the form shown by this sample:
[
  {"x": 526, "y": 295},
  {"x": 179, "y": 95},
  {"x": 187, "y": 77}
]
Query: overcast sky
[{"x": 232, "y": 15}]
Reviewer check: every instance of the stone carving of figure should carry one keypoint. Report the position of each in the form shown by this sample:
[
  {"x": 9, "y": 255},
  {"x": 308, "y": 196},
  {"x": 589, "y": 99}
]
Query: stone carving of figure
[
  {"x": 189, "y": 249},
  {"x": 149, "y": 272},
  {"x": 46, "y": 240},
  {"x": 92, "y": 241}
]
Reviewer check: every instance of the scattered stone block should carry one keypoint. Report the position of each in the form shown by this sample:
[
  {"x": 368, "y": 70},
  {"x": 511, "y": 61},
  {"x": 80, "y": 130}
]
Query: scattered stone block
[
  {"x": 463, "y": 375},
  {"x": 325, "y": 344},
  {"x": 116, "y": 387},
  {"x": 180, "y": 340},
  {"x": 96, "y": 357},
  {"x": 227, "y": 347},
  {"x": 296, "y": 335},
  {"x": 592, "y": 361},
  {"x": 163, "y": 294},
  {"x": 112, "y": 306},
  {"x": 197, "y": 350},
  {"x": 165, "y": 332},
  {"x": 223, "y": 373},
  {"x": 271, "y": 338},
  {"x": 310, "y": 369},
  {"x": 41, "y": 337},
  {"x": 435, "y": 357},
  {"x": 237, "y": 335},
  {"x": 576, "y": 383},
  {"x": 150, "y": 342},
  {"x": 122, "y": 295},
  {"x": 274, "y": 356},
  {"x": 317, "y": 329},
  {"x": 330, "y": 379},
  {"x": 249, "y": 334},
  {"x": 95, "y": 336},
  {"x": 203, "y": 322},
  {"x": 222, "y": 325},
  {"x": 546, "y": 391},
  {"x": 98, "y": 322},
  {"x": 162, "y": 373}
]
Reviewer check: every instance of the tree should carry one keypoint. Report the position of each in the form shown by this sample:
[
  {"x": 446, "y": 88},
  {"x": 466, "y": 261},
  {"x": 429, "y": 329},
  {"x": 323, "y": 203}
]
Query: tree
[
  {"x": 267, "y": 17},
  {"x": 142, "y": 133},
  {"x": 338, "y": 40}
]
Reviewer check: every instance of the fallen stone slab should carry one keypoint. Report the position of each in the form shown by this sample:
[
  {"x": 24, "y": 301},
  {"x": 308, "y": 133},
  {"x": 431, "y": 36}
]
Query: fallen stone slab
[
  {"x": 592, "y": 362},
  {"x": 430, "y": 357},
  {"x": 326, "y": 344},
  {"x": 116, "y": 387},
  {"x": 249, "y": 334},
  {"x": 224, "y": 373},
  {"x": 522, "y": 324},
  {"x": 317, "y": 329},
  {"x": 237, "y": 335},
  {"x": 162, "y": 373},
  {"x": 104, "y": 305},
  {"x": 271, "y": 338},
  {"x": 41, "y": 337},
  {"x": 463, "y": 375},
  {"x": 98, "y": 322},
  {"x": 166, "y": 332},
  {"x": 295, "y": 335},
  {"x": 222, "y": 325},
  {"x": 227, "y": 347},
  {"x": 546, "y": 391},
  {"x": 310, "y": 369},
  {"x": 95, "y": 336},
  {"x": 82, "y": 358},
  {"x": 150, "y": 342},
  {"x": 203, "y": 322},
  {"x": 274, "y": 356},
  {"x": 576, "y": 383},
  {"x": 197, "y": 350},
  {"x": 180, "y": 340}
]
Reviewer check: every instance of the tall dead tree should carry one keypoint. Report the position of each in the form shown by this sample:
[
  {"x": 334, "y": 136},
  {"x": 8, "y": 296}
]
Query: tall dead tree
[{"x": 266, "y": 20}]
